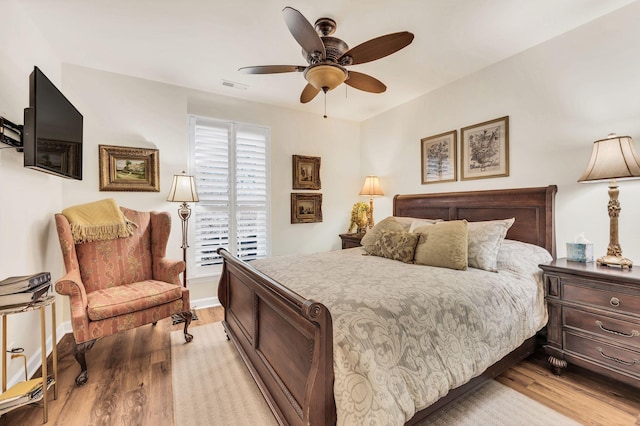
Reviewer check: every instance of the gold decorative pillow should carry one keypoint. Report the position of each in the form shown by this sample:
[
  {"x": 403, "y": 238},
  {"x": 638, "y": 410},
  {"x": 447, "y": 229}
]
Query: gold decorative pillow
[
  {"x": 443, "y": 245},
  {"x": 397, "y": 245},
  {"x": 485, "y": 239},
  {"x": 373, "y": 235},
  {"x": 422, "y": 222}
]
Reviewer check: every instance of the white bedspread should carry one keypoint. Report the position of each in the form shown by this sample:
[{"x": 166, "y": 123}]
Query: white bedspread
[{"x": 404, "y": 335}]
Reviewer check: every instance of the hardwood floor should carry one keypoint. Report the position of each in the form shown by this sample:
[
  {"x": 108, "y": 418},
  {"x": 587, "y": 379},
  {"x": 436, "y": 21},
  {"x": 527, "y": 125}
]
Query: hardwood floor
[{"x": 130, "y": 384}]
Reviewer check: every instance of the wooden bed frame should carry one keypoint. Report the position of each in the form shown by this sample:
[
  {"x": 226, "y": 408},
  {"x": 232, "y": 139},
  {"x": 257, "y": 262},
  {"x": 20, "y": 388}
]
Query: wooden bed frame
[{"x": 286, "y": 340}]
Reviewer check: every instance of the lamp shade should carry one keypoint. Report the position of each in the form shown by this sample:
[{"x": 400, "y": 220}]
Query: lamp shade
[
  {"x": 371, "y": 186},
  {"x": 612, "y": 158},
  {"x": 183, "y": 189}
]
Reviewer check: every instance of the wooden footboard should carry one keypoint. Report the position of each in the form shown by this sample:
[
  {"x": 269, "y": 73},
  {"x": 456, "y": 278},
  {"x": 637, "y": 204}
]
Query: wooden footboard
[{"x": 285, "y": 340}]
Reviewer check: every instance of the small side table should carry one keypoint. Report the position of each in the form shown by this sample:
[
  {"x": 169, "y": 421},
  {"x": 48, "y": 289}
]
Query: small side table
[
  {"x": 40, "y": 305},
  {"x": 351, "y": 240}
]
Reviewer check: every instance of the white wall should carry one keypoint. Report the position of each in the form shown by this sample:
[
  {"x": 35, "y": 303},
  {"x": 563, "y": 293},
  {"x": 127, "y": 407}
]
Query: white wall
[
  {"x": 560, "y": 97},
  {"x": 28, "y": 241},
  {"x": 127, "y": 111}
]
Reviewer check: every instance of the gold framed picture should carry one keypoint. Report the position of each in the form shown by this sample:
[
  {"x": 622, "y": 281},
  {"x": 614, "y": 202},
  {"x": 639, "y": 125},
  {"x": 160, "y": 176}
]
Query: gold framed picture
[
  {"x": 485, "y": 149},
  {"x": 306, "y": 172},
  {"x": 306, "y": 208},
  {"x": 129, "y": 169},
  {"x": 439, "y": 157}
]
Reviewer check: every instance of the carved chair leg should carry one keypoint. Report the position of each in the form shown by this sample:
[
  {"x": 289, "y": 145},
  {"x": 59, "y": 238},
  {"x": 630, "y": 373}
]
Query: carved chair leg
[
  {"x": 187, "y": 316},
  {"x": 78, "y": 352}
]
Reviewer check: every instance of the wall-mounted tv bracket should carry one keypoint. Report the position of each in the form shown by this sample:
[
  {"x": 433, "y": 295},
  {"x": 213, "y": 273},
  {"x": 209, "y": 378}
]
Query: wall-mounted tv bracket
[{"x": 11, "y": 134}]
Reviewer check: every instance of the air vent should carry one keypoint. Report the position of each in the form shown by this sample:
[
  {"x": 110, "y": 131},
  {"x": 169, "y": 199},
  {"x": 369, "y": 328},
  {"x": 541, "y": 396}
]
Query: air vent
[{"x": 234, "y": 85}]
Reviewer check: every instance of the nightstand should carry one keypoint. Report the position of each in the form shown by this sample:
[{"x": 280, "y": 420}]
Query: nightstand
[
  {"x": 351, "y": 240},
  {"x": 594, "y": 318}
]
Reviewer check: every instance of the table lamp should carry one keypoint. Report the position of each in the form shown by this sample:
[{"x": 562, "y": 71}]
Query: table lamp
[
  {"x": 183, "y": 189},
  {"x": 613, "y": 159},
  {"x": 371, "y": 187}
]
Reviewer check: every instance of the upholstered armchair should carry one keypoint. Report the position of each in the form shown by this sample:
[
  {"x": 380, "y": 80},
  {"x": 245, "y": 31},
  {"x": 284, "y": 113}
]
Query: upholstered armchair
[{"x": 121, "y": 283}]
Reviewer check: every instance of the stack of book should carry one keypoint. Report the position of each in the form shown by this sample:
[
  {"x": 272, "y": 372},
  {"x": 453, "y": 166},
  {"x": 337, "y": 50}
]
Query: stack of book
[
  {"x": 23, "y": 393},
  {"x": 24, "y": 289}
]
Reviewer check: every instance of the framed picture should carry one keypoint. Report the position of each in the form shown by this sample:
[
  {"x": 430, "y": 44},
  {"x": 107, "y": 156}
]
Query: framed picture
[
  {"x": 129, "y": 169},
  {"x": 485, "y": 149},
  {"x": 306, "y": 172},
  {"x": 306, "y": 208},
  {"x": 439, "y": 157}
]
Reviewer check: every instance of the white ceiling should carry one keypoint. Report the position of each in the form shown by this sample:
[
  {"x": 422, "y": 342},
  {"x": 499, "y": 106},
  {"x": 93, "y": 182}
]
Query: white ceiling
[{"x": 200, "y": 43}]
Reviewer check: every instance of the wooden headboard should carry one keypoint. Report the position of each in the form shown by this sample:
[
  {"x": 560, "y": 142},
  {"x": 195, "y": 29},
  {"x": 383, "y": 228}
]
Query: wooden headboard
[{"x": 533, "y": 209}]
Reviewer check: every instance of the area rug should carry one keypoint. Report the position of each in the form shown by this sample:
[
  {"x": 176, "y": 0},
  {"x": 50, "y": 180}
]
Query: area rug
[{"x": 211, "y": 385}]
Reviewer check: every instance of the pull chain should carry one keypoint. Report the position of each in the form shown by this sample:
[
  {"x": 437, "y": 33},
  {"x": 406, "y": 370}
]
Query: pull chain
[
  {"x": 325, "y": 104},
  {"x": 325, "y": 90}
]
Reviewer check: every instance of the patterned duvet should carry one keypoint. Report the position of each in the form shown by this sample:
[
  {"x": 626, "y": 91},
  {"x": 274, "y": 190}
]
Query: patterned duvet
[{"x": 404, "y": 334}]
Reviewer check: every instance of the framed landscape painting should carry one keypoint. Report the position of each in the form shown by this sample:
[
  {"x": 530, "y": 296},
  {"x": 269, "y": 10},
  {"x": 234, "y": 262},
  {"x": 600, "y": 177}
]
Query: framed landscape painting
[
  {"x": 485, "y": 149},
  {"x": 128, "y": 169},
  {"x": 306, "y": 208},
  {"x": 439, "y": 157}
]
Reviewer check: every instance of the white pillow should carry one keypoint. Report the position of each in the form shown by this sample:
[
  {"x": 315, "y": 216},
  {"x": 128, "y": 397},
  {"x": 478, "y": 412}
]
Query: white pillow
[
  {"x": 485, "y": 239},
  {"x": 521, "y": 257}
]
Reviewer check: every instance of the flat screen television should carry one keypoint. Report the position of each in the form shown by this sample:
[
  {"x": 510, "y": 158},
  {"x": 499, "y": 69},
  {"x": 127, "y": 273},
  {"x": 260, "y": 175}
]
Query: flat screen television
[{"x": 52, "y": 133}]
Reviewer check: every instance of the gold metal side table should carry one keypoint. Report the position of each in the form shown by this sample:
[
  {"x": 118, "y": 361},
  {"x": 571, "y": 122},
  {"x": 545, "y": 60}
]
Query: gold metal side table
[{"x": 39, "y": 305}]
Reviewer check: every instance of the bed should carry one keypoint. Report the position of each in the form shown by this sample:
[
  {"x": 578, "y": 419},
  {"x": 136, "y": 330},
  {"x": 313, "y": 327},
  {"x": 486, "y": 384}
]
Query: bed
[{"x": 287, "y": 341}]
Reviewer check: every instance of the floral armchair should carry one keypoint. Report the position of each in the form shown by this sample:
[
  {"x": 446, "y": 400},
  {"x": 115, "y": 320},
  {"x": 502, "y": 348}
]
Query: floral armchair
[{"x": 122, "y": 283}]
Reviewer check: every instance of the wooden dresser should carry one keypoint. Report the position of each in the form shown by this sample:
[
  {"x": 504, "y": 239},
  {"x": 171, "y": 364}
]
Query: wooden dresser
[{"x": 594, "y": 318}]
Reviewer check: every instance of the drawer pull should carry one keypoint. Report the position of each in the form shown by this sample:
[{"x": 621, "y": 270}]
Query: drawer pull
[
  {"x": 614, "y": 302},
  {"x": 618, "y": 360},
  {"x": 634, "y": 333}
]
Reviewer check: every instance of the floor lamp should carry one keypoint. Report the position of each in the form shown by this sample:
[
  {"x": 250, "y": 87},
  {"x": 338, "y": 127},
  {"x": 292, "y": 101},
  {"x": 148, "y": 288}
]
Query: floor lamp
[
  {"x": 371, "y": 187},
  {"x": 183, "y": 190},
  {"x": 613, "y": 159}
]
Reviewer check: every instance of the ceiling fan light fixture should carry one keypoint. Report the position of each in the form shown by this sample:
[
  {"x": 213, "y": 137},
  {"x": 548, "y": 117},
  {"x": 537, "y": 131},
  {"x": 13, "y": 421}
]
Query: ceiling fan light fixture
[{"x": 325, "y": 76}]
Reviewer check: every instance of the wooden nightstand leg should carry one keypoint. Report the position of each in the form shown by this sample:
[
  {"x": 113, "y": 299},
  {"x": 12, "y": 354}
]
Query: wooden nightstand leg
[{"x": 557, "y": 365}]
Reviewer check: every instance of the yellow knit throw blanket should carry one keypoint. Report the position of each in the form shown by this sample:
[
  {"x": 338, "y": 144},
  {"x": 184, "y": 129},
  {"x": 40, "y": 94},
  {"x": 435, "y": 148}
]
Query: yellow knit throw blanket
[{"x": 100, "y": 220}]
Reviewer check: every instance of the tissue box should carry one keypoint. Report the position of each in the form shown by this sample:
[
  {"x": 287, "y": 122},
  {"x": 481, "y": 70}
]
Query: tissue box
[{"x": 577, "y": 252}]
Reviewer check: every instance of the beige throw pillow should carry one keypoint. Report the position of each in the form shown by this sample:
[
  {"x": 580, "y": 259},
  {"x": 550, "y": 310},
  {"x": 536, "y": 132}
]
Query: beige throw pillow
[
  {"x": 443, "y": 245},
  {"x": 422, "y": 222},
  {"x": 485, "y": 239},
  {"x": 397, "y": 245},
  {"x": 373, "y": 235}
]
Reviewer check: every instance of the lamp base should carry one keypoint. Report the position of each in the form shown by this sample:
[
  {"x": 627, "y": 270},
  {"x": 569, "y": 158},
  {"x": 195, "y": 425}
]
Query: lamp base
[{"x": 615, "y": 261}]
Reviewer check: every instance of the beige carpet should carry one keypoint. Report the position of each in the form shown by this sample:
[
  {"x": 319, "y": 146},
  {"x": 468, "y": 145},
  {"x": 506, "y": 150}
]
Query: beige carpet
[{"x": 212, "y": 386}]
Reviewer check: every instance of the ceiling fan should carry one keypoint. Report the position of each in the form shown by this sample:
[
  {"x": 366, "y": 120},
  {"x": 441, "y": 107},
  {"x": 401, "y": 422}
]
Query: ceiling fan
[{"x": 328, "y": 56}]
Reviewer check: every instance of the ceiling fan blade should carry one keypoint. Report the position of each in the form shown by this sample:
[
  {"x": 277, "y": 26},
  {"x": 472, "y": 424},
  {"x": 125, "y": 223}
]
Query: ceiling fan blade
[
  {"x": 365, "y": 82},
  {"x": 308, "y": 93},
  {"x": 379, "y": 47},
  {"x": 271, "y": 69},
  {"x": 303, "y": 32}
]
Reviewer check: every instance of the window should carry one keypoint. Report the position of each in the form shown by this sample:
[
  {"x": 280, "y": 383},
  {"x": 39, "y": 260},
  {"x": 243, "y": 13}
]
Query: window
[{"x": 231, "y": 168}]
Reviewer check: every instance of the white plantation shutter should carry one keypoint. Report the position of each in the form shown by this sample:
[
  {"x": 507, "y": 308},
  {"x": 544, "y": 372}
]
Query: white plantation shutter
[{"x": 230, "y": 164}]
